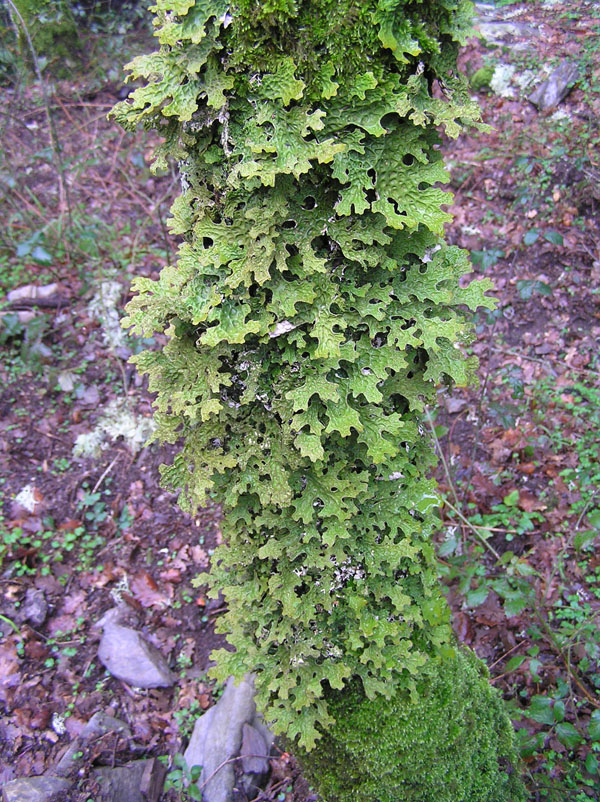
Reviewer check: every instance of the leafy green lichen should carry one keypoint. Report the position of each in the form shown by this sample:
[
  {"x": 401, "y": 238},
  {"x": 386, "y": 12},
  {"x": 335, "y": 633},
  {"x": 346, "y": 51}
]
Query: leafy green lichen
[{"x": 312, "y": 311}]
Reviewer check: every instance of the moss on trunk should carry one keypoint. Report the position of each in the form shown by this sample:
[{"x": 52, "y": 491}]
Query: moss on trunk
[{"x": 454, "y": 743}]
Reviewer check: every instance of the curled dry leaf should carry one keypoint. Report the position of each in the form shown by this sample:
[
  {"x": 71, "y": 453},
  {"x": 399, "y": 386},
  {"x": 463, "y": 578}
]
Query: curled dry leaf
[
  {"x": 529, "y": 502},
  {"x": 146, "y": 591},
  {"x": 10, "y": 676}
]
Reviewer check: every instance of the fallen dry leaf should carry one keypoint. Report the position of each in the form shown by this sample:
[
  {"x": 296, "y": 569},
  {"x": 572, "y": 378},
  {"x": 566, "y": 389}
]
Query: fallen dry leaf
[
  {"x": 144, "y": 588},
  {"x": 529, "y": 502},
  {"x": 10, "y": 676}
]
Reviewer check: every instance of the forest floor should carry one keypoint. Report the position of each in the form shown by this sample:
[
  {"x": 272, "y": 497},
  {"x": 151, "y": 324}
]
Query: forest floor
[{"x": 84, "y": 523}]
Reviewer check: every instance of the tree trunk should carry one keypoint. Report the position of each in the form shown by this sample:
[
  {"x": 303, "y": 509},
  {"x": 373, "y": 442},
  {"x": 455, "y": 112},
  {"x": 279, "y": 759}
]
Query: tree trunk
[{"x": 312, "y": 313}]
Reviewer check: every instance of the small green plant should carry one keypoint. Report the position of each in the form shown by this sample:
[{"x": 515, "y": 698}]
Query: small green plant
[
  {"x": 49, "y": 27},
  {"x": 29, "y": 553},
  {"x": 186, "y": 718},
  {"x": 566, "y": 623},
  {"x": 508, "y": 517},
  {"x": 183, "y": 779},
  {"x": 26, "y": 349},
  {"x": 93, "y": 507}
]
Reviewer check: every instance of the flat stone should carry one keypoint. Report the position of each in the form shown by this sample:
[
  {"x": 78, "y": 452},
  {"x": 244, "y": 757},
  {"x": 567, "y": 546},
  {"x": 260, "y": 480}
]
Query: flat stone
[
  {"x": 122, "y": 783},
  {"x": 254, "y": 751},
  {"x": 254, "y": 755},
  {"x": 486, "y": 10},
  {"x": 32, "y": 292},
  {"x": 551, "y": 91},
  {"x": 35, "y": 607},
  {"x": 153, "y": 780},
  {"x": 258, "y": 723},
  {"x": 217, "y": 737},
  {"x": 99, "y": 724},
  {"x": 23, "y": 315},
  {"x": 454, "y": 405},
  {"x": 129, "y": 657},
  {"x": 498, "y": 33},
  {"x": 34, "y": 789}
]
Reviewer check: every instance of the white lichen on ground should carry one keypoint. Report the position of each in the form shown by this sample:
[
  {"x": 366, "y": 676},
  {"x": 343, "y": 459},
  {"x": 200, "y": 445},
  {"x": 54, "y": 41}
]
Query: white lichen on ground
[
  {"x": 524, "y": 79},
  {"x": 501, "y": 80},
  {"x": 561, "y": 116},
  {"x": 117, "y": 420},
  {"x": 104, "y": 307},
  {"x": 27, "y": 498}
]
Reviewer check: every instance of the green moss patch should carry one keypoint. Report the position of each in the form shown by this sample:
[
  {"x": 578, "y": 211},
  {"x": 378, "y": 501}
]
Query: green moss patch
[{"x": 453, "y": 744}]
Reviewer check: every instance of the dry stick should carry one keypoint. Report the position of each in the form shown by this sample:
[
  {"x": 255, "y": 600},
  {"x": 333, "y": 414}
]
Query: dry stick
[
  {"x": 482, "y": 395},
  {"x": 51, "y": 436},
  {"x": 568, "y": 544},
  {"x": 163, "y": 229},
  {"x": 570, "y": 670},
  {"x": 68, "y": 115},
  {"x": 497, "y": 529},
  {"x": 262, "y": 795},
  {"x": 473, "y": 529},
  {"x": 136, "y": 195},
  {"x": 74, "y": 105},
  {"x": 529, "y": 358},
  {"x": 454, "y": 422},
  {"x": 134, "y": 192},
  {"x": 542, "y": 362},
  {"x": 115, "y": 154},
  {"x": 500, "y": 659},
  {"x": 122, "y": 370},
  {"x": 442, "y": 456},
  {"x": 63, "y": 189},
  {"x": 105, "y": 473},
  {"x": 31, "y": 208},
  {"x": 452, "y": 507},
  {"x": 225, "y": 762}
]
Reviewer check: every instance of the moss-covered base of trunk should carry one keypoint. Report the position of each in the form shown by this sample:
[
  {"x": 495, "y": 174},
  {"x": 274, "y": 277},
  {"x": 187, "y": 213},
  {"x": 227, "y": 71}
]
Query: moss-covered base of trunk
[{"x": 455, "y": 744}]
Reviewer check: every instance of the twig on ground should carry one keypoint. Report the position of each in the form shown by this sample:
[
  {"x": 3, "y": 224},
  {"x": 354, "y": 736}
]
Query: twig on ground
[
  {"x": 201, "y": 786},
  {"x": 105, "y": 473},
  {"x": 504, "y": 656},
  {"x": 456, "y": 509}
]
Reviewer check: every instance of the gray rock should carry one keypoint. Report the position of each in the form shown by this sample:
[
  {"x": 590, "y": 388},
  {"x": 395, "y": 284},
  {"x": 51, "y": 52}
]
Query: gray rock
[
  {"x": 34, "y": 789},
  {"x": 254, "y": 752},
  {"x": 129, "y": 657},
  {"x": 153, "y": 780},
  {"x": 138, "y": 781},
  {"x": 90, "y": 396},
  {"x": 23, "y": 315},
  {"x": 35, "y": 607},
  {"x": 454, "y": 405},
  {"x": 550, "y": 92},
  {"x": 99, "y": 724},
  {"x": 486, "y": 10},
  {"x": 254, "y": 759},
  {"x": 217, "y": 737},
  {"x": 504, "y": 32},
  {"x": 258, "y": 723},
  {"x": 122, "y": 783},
  {"x": 32, "y": 292}
]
